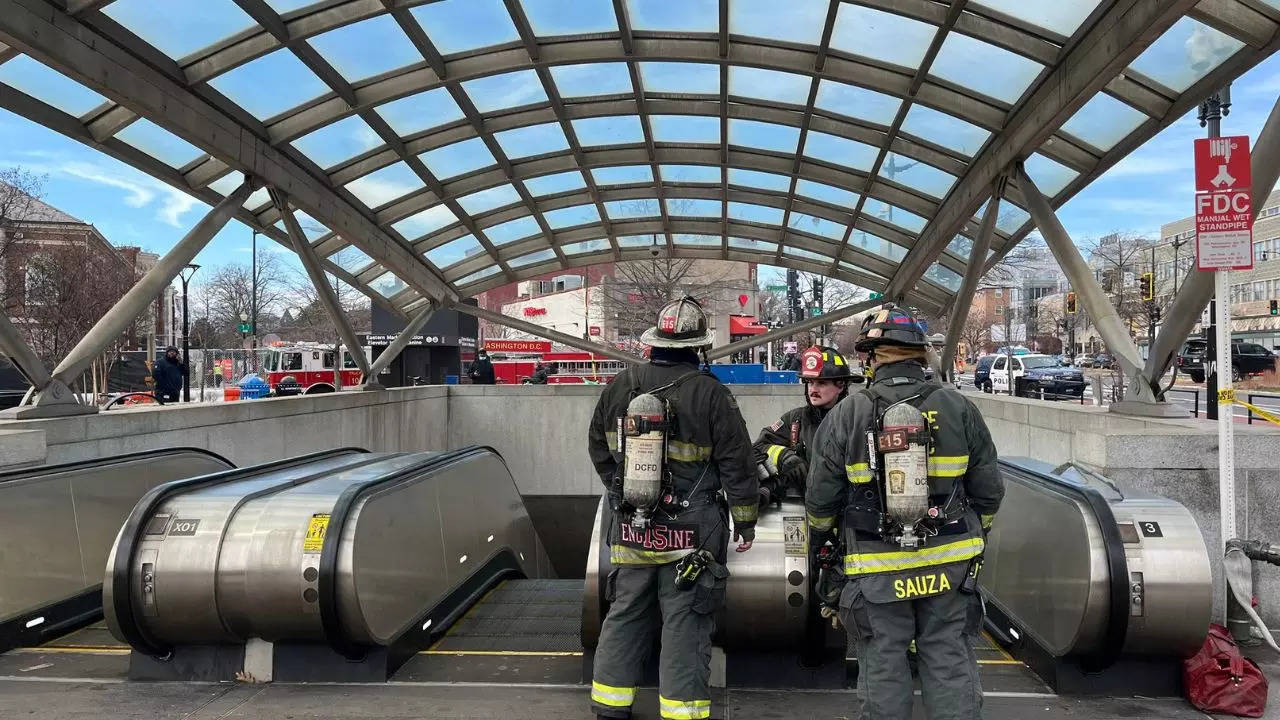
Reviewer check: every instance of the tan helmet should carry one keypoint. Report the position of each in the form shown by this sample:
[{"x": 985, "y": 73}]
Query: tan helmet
[{"x": 681, "y": 324}]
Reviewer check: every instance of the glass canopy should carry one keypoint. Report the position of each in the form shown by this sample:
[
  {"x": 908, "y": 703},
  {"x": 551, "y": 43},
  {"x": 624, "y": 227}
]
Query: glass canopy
[{"x": 493, "y": 140}]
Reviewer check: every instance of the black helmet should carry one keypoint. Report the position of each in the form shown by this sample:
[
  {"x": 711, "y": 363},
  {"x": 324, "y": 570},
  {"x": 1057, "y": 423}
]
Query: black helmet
[
  {"x": 681, "y": 324},
  {"x": 821, "y": 362},
  {"x": 170, "y": 349},
  {"x": 890, "y": 325}
]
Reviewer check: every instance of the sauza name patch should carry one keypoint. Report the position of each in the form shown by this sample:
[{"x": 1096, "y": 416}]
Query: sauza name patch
[
  {"x": 921, "y": 586},
  {"x": 661, "y": 537}
]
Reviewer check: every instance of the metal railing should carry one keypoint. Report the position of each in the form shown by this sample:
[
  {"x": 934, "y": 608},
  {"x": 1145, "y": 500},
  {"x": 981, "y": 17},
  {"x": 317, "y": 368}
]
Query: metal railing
[
  {"x": 1195, "y": 393},
  {"x": 1249, "y": 399}
]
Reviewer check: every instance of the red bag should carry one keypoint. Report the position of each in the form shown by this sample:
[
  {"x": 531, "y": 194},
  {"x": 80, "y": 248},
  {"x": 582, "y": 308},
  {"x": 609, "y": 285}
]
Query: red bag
[{"x": 1218, "y": 679}]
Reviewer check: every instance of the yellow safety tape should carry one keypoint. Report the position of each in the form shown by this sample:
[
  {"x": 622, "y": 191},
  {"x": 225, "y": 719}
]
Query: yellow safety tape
[{"x": 1227, "y": 396}]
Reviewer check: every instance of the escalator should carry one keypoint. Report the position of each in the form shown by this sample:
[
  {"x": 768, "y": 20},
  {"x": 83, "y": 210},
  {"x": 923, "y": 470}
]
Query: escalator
[{"x": 424, "y": 568}]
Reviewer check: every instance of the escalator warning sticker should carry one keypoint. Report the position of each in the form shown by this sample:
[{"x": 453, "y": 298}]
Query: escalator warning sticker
[
  {"x": 795, "y": 541},
  {"x": 314, "y": 541}
]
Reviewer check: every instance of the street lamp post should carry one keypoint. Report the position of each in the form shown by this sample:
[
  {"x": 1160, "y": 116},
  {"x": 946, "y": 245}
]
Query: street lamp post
[
  {"x": 253, "y": 300},
  {"x": 186, "y": 274}
]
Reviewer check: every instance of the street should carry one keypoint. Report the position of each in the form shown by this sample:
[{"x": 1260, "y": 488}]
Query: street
[{"x": 1189, "y": 396}]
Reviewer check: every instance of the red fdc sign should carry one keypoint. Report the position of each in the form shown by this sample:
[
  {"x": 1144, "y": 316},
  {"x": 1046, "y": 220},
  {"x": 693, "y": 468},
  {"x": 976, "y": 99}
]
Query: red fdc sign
[{"x": 1224, "y": 204}]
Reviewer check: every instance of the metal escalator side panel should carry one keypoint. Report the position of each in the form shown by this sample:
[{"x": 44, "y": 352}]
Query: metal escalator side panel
[
  {"x": 767, "y": 597},
  {"x": 1045, "y": 568},
  {"x": 597, "y": 573},
  {"x": 268, "y": 568},
  {"x": 407, "y": 545},
  {"x": 64, "y": 517},
  {"x": 1174, "y": 603},
  {"x": 183, "y": 606},
  {"x": 124, "y": 617}
]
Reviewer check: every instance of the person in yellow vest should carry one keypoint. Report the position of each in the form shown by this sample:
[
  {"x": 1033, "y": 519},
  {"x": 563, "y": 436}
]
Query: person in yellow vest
[
  {"x": 782, "y": 449},
  {"x": 669, "y": 548},
  {"x": 902, "y": 488}
]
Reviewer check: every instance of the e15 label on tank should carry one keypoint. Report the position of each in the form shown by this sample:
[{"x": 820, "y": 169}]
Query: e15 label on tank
[{"x": 183, "y": 526}]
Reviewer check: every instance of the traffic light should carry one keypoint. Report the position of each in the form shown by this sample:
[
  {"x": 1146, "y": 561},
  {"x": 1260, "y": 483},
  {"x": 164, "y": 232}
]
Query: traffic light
[
  {"x": 1147, "y": 283},
  {"x": 1071, "y": 303},
  {"x": 1275, "y": 307},
  {"x": 1155, "y": 315}
]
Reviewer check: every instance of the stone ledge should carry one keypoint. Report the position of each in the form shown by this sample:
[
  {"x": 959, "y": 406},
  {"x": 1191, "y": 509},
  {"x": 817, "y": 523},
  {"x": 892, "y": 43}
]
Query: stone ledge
[{"x": 19, "y": 448}]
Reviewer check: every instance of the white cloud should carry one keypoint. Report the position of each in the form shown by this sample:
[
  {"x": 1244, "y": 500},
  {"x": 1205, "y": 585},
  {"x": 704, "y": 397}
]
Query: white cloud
[
  {"x": 374, "y": 192},
  {"x": 1150, "y": 164},
  {"x": 139, "y": 190}
]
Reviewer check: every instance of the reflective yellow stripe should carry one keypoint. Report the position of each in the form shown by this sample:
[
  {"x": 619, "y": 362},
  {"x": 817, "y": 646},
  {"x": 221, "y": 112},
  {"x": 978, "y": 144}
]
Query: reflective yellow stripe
[
  {"x": 626, "y": 555},
  {"x": 684, "y": 708},
  {"x": 822, "y": 524},
  {"x": 987, "y": 520},
  {"x": 869, "y": 563},
  {"x": 773, "y": 453},
  {"x": 745, "y": 513},
  {"x": 612, "y": 696},
  {"x": 688, "y": 452},
  {"x": 612, "y": 438},
  {"x": 839, "y": 360},
  {"x": 858, "y": 472},
  {"x": 948, "y": 465}
]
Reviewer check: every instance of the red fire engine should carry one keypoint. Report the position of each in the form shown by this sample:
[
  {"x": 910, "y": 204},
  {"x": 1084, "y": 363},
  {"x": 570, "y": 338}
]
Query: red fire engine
[
  {"x": 514, "y": 362},
  {"x": 311, "y": 364}
]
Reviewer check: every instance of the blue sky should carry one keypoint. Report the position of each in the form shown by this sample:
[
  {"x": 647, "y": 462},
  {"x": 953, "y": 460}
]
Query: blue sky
[{"x": 1150, "y": 187}]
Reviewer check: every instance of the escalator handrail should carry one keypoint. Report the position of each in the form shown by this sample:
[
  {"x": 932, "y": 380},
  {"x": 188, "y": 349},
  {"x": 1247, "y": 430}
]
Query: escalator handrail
[
  {"x": 1117, "y": 627},
  {"x": 330, "y": 619},
  {"x": 121, "y": 598},
  {"x": 40, "y": 470}
]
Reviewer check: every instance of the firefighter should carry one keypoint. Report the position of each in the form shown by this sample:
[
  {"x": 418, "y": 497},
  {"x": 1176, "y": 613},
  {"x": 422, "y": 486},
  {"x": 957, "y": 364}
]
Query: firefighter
[
  {"x": 782, "y": 449},
  {"x": 902, "y": 489},
  {"x": 669, "y": 444}
]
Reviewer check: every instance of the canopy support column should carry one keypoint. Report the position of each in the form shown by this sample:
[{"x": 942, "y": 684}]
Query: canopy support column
[
  {"x": 1197, "y": 288},
  {"x": 972, "y": 274},
  {"x": 55, "y": 398},
  {"x": 315, "y": 270},
  {"x": 133, "y": 304},
  {"x": 397, "y": 346},
  {"x": 1094, "y": 299}
]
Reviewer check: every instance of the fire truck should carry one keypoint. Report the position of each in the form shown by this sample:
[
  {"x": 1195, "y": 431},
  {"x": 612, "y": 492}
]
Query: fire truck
[
  {"x": 310, "y": 364},
  {"x": 567, "y": 368}
]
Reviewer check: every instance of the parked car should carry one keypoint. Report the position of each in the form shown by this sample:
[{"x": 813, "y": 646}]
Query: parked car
[
  {"x": 982, "y": 373},
  {"x": 1084, "y": 361},
  {"x": 1104, "y": 361},
  {"x": 1246, "y": 359},
  {"x": 1033, "y": 373}
]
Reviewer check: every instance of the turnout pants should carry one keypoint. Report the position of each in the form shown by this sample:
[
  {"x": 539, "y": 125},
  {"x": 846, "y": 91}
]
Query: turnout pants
[
  {"x": 644, "y": 597},
  {"x": 945, "y": 628}
]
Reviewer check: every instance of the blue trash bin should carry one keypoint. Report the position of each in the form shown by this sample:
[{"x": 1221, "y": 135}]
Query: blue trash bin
[
  {"x": 450, "y": 379},
  {"x": 253, "y": 387}
]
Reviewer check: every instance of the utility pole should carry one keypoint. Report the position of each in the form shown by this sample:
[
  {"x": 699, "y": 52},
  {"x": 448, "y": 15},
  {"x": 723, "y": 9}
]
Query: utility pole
[{"x": 1211, "y": 112}]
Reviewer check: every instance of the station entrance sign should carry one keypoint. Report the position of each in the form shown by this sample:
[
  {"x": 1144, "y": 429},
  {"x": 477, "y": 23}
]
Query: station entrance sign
[{"x": 1224, "y": 204}]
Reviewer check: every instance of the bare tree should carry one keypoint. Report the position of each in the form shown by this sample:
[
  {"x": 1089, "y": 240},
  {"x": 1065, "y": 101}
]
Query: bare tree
[
  {"x": 1118, "y": 260},
  {"x": 66, "y": 289},
  {"x": 20, "y": 193},
  {"x": 638, "y": 289},
  {"x": 228, "y": 293},
  {"x": 310, "y": 318},
  {"x": 975, "y": 333}
]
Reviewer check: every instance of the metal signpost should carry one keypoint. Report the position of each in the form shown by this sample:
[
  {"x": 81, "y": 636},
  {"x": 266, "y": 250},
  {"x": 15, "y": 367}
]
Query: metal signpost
[{"x": 1224, "y": 242}]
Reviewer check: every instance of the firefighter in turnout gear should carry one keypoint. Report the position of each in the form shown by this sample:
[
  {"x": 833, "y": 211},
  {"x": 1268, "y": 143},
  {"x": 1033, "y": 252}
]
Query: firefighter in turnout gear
[
  {"x": 903, "y": 481},
  {"x": 672, "y": 450},
  {"x": 782, "y": 449}
]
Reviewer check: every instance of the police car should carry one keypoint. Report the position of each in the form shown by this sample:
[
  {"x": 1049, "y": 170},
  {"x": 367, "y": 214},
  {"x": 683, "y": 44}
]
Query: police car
[{"x": 1035, "y": 373}]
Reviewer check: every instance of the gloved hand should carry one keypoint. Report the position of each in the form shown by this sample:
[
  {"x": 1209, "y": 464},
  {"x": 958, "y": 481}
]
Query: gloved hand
[
  {"x": 746, "y": 532},
  {"x": 987, "y": 522},
  {"x": 830, "y": 613},
  {"x": 793, "y": 468},
  {"x": 766, "y": 496}
]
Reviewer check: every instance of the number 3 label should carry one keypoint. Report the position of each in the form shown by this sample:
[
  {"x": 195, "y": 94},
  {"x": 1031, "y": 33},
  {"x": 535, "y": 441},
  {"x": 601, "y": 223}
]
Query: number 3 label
[{"x": 1150, "y": 529}]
